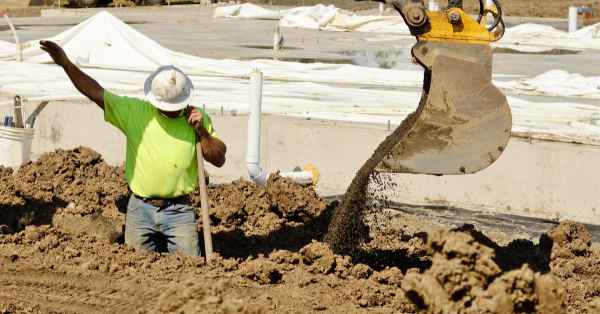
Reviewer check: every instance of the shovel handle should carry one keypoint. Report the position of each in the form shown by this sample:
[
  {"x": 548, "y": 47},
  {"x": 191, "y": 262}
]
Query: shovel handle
[{"x": 208, "y": 247}]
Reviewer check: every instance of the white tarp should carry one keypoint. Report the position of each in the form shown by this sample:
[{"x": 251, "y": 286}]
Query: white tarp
[
  {"x": 320, "y": 17},
  {"x": 557, "y": 83},
  {"x": 565, "y": 121},
  {"x": 248, "y": 11},
  {"x": 120, "y": 58},
  {"x": 106, "y": 42},
  {"x": 525, "y": 37},
  {"x": 535, "y": 37},
  {"x": 6, "y": 47}
]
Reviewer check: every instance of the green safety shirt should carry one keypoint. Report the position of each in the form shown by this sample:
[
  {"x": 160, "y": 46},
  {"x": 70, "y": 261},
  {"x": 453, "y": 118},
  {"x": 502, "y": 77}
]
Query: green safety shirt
[{"x": 161, "y": 151}]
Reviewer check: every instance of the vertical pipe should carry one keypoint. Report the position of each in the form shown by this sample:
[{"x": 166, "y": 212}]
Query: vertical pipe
[
  {"x": 254, "y": 118},
  {"x": 19, "y": 53},
  {"x": 256, "y": 173},
  {"x": 381, "y": 8},
  {"x": 572, "y": 19}
]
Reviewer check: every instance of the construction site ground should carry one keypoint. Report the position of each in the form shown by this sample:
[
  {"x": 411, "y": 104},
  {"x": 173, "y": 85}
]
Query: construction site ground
[
  {"x": 61, "y": 220},
  {"x": 61, "y": 251}
]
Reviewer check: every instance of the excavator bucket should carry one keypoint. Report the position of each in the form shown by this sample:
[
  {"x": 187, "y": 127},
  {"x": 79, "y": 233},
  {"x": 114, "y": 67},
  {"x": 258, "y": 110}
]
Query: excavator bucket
[{"x": 463, "y": 121}]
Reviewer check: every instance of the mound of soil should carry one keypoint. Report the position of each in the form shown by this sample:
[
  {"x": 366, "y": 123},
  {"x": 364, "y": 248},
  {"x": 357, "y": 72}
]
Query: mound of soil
[
  {"x": 76, "y": 182},
  {"x": 270, "y": 256},
  {"x": 78, "y": 178},
  {"x": 576, "y": 265},
  {"x": 261, "y": 210},
  {"x": 465, "y": 278}
]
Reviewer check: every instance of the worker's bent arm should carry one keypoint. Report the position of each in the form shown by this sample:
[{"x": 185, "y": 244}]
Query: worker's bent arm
[
  {"x": 83, "y": 82},
  {"x": 213, "y": 150}
]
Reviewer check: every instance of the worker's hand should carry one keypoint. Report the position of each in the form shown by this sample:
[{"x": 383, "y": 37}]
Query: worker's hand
[
  {"x": 195, "y": 119},
  {"x": 3, "y": 12},
  {"x": 57, "y": 54}
]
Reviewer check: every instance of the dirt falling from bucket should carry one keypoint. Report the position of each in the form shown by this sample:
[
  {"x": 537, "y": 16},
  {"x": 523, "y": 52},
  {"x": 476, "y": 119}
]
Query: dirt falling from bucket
[{"x": 347, "y": 230}]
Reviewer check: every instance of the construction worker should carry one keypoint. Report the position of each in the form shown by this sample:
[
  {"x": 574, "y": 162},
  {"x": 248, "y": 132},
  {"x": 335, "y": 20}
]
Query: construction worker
[{"x": 161, "y": 165}]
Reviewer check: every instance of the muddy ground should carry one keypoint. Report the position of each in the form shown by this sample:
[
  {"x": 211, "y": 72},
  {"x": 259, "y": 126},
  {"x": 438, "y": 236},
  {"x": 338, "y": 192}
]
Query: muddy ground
[{"x": 61, "y": 251}]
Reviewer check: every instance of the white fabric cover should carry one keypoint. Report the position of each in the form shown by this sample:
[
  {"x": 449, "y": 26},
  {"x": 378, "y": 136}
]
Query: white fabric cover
[
  {"x": 535, "y": 37},
  {"x": 525, "y": 37},
  {"x": 321, "y": 17},
  {"x": 557, "y": 83},
  {"x": 121, "y": 58},
  {"x": 247, "y": 11}
]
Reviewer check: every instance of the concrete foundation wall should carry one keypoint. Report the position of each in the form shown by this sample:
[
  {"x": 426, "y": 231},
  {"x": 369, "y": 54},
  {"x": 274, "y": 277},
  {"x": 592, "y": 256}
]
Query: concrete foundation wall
[{"x": 538, "y": 178}]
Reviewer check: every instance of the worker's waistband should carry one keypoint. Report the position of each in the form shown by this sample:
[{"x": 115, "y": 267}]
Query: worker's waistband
[{"x": 164, "y": 202}]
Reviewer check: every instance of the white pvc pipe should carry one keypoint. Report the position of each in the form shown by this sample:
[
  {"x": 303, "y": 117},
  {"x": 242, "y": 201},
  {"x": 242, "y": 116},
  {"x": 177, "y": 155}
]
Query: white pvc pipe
[
  {"x": 256, "y": 173},
  {"x": 300, "y": 177},
  {"x": 573, "y": 11},
  {"x": 19, "y": 53},
  {"x": 381, "y": 8}
]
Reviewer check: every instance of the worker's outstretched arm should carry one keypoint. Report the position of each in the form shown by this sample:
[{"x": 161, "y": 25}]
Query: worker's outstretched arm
[
  {"x": 213, "y": 148},
  {"x": 84, "y": 84}
]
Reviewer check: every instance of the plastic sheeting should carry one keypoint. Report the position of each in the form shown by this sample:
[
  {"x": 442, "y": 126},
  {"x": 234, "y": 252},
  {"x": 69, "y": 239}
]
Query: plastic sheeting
[
  {"x": 120, "y": 58},
  {"x": 321, "y": 17},
  {"x": 557, "y": 83},
  {"x": 563, "y": 121},
  {"x": 103, "y": 41},
  {"x": 525, "y": 37},
  {"x": 6, "y": 47},
  {"x": 248, "y": 11},
  {"x": 535, "y": 37}
]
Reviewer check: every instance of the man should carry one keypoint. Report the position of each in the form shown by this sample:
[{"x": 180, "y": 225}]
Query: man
[{"x": 161, "y": 165}]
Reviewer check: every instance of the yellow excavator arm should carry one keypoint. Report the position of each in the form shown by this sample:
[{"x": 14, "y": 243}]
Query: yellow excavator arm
[{"x": 463, "y": 121}]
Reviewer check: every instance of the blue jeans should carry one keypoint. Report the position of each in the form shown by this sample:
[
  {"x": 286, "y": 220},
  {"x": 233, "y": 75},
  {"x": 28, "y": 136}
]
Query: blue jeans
[{"x": 169, "y": 229}]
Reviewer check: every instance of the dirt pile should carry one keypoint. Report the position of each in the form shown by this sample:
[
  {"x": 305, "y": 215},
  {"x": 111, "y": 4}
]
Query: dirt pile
[
  {"x": 465, "y": 278},
  {"x": 577, "y": 266},
  {"x": 262, "y": 210},
  {"x": 79, "y": 178},
  {"x": 76, "y": 182},
  {"x": 271, "y": 257}
]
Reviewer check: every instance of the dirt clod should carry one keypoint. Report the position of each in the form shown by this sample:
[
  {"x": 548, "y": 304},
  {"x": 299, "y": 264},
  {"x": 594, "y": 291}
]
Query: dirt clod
[
  {"x": 389, "y": 276},
  {"x": 319, "y": 258},
  {"x": 570, "y": 239},
  {"x": 262, "y": 271}
]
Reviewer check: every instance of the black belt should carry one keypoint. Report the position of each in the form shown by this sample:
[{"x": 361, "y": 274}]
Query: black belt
[{"x": 164, "y": 202}]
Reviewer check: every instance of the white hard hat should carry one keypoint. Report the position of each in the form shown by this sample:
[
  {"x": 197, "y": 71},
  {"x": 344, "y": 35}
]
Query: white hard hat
[{"x": 168, "y": 88}]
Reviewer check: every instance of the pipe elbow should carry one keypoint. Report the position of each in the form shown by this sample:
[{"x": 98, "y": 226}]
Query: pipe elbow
[{"x": 257, "y": 174}]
